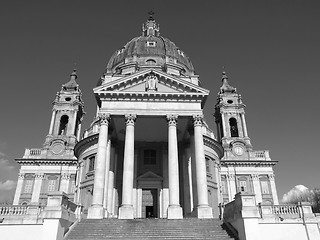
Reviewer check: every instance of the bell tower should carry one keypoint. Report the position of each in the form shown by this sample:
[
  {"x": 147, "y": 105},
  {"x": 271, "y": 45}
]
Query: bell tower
[
  {"x": 242, "y": 168},
  {"x": 65, "y": 124},
  {"x": 230, "y": 116}
]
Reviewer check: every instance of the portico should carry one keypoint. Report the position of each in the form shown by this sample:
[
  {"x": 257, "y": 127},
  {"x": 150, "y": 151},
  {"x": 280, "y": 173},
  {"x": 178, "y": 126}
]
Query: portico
[{"x": 153, "y": 164}]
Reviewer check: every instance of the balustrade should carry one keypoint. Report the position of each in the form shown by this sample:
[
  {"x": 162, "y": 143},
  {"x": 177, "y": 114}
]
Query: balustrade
[
  {"x": 285, "y": 209},
  {"x": 17, "y": 210}
]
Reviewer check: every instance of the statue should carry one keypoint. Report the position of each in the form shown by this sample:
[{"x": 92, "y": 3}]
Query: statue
[{"x": 151, "y": 82}]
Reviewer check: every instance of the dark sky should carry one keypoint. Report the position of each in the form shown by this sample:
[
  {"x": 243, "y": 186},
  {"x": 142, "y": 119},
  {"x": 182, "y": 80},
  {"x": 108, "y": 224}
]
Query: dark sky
[{"x": 270, "y": 50}]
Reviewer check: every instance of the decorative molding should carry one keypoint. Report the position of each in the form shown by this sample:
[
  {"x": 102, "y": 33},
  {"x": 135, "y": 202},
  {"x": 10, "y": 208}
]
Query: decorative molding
[
  {"x": 231, "y": 177},
  {"x": 271, "y": 177},
  {"x": 104, "y": 118},
  {"x": 38, "y": 162},
  {"x": 255, "y": 177},
  {"x": 211, "y": 143},
  {"x": 244, "y": 163},
  {"x": 39, "y": 176},
  {"x": 197, "y": 120},
  {"x": 172, "y": 119},
  {"x": 21, "y": 176},
  {"x": 130, "y": 119},
  {"x": 65, "y": 176},
  {"x": 151, "y": 82}
]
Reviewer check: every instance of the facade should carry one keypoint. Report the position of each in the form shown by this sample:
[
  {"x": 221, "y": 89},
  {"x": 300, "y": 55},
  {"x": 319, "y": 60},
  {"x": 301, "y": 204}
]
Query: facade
[{"x": 149, "y": 152}]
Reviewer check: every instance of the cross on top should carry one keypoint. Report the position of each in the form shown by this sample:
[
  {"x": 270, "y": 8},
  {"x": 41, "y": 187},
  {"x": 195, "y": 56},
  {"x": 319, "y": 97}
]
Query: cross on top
[{"x": 151, "y": 13}]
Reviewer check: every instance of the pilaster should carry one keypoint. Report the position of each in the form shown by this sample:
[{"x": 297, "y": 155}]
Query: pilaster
[
  {"x": 65, "y": 180},
  {"x": 37, "y": 187},
  {"x": 231, "y": 180},
  {"x": 256, "y": 187},
  {"x": 18, "y": 189},
  {"x": 273, "y": 189}
]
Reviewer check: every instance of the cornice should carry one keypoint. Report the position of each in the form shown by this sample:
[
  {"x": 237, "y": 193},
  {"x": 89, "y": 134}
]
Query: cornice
[
  {"x": 85, "y": 143},
  {"x": 250, "y": 163},
  {"x": 38, "y": 162},
  {"x": 213, "y": 144}
]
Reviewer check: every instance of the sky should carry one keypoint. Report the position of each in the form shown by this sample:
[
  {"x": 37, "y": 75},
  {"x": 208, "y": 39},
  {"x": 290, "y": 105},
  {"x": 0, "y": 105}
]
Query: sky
[{"x": 269, "y": 49}]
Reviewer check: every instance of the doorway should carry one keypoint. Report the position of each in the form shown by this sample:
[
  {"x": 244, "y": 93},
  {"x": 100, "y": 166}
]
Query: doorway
[{"x": 150, "y": 203}]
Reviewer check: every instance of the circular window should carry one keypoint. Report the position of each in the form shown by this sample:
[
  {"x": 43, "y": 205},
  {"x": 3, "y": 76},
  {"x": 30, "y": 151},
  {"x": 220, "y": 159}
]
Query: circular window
[
  {"x": 229, "y": 101},
  {"x": 67, "y": 99}
]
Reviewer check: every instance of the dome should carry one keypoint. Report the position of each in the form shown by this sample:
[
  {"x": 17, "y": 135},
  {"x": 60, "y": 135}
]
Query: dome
[{"x": 150, "y": 50}]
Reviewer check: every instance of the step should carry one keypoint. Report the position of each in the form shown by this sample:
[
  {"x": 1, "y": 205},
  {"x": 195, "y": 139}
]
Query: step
[{"x": 190, "y": 228}]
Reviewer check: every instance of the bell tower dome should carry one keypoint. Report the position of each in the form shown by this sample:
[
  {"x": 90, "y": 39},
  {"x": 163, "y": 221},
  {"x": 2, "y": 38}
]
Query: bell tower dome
[
  {"x": 67, "y": 114},
  {"x": 230, "y": 116}
]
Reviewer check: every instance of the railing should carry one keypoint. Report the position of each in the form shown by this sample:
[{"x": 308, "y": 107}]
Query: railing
[
  {"x": 13, "y": 210},
  {"x": 31, "y": 152},
  {"x": 285, "y": 209},
  {"x": 259, "y": 155},
  {"x": 280, "y": 210},
  {"x": 21, "y": 210}
]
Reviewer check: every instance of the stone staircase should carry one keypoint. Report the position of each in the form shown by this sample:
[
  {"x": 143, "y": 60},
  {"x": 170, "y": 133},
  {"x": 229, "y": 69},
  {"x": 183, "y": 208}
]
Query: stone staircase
[{"x": 189, "y": 228}]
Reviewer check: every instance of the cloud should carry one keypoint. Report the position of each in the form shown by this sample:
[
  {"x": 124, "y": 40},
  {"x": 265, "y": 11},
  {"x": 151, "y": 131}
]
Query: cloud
[
  {"x": 7, "y": 185},
  {"x": 5, "y": 163}
]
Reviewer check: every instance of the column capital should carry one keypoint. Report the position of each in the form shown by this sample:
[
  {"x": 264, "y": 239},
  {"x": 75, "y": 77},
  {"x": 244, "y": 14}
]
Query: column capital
[
  {"x": 104, "y": 118},
  {"x": 172, "y": 119},
  {"x": 21, "y": 176},
  {"x": 39, "y": 176},
  {"x": 65, "y": 176},
  {"x": 271, "y": 176},
  {"x": 197, "y": 120},
  {"x": 255, "y": 177},
  {"x": 231, "y": 177},
  {"x": 130, "y": 119}
]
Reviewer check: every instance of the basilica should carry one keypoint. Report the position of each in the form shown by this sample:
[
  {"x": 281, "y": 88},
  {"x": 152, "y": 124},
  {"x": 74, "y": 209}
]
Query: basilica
[{"x": 149, "y": 152}]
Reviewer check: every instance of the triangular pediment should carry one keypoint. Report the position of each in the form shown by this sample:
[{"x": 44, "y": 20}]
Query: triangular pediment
[
  {"x": 150, "y": 81},
  {"x": 149, "y": 175}
]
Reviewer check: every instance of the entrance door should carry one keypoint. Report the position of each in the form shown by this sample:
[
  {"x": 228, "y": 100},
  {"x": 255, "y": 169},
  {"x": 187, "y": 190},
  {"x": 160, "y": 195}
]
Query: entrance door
[{"x": 150, "y": 203}]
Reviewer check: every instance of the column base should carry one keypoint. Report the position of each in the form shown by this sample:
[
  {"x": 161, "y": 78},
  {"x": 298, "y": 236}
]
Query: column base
[
  {"x": 202, "y": 212},
  {"x": 126, "y": 212},
  {"x": 175, "y": 212},
  {"x": 95, "y": 212}
]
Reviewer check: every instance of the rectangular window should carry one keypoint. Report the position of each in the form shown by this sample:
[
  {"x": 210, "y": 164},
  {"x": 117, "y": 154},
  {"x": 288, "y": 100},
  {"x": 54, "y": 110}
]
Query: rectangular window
[
  {"x": 151, "y": 44},
  {"x": 150, "y": 157},
  {"x": 208, "y": 165},
  {"x": 265, "y": 187},
  {"x": 243, "y": 186},
  {"x": 51, "y": 185},
  {"x": 28, "y": 186},
  {"x": 91, "y": 163}
]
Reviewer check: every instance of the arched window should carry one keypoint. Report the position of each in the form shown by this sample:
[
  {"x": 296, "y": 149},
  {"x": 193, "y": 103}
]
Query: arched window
[
  {"x": 63, "y": 125},
  {"x": 233, "y": 127}
]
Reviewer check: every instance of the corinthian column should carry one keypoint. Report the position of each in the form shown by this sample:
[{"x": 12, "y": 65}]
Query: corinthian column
[
  {"x": 126, "y": 210},
  {"x": 202, "y": 209},
  {"x": 174, "y": 209},
  {"x": 96, "y": 209}
]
